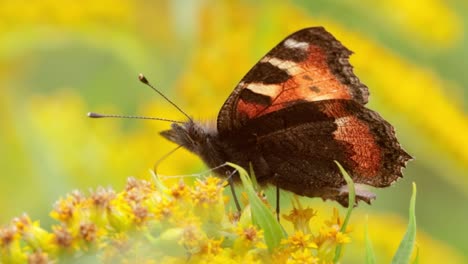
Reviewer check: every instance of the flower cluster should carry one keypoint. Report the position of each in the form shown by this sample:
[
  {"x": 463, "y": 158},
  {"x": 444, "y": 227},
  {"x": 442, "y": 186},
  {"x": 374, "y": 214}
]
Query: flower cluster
[
  {"x": 151, "y": 223},
  {"x": 304, "y": 246}
]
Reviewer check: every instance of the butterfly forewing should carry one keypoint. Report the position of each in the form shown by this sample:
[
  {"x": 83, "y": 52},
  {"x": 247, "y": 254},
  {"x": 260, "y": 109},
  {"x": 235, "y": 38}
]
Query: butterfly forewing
[{"x": 309, "y": 65}]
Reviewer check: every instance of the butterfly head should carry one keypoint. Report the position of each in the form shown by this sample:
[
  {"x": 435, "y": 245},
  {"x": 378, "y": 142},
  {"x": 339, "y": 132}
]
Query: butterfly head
[{"x": 191, "y": 135}]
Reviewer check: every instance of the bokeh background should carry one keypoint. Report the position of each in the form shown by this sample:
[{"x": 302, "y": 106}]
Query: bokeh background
[{"x": 61, "y": 59}]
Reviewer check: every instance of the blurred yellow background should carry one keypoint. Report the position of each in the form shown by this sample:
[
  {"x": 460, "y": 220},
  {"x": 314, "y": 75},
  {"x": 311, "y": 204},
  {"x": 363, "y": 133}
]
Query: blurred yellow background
[{"x": 61, "y": 59}]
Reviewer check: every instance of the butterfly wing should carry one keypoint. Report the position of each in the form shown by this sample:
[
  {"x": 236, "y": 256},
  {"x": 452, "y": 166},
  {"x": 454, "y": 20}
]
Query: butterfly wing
[
  {"x": 301, "y": 108},
  {"x": 301, "y": 142},
  {"x": 309, "y": 65}
]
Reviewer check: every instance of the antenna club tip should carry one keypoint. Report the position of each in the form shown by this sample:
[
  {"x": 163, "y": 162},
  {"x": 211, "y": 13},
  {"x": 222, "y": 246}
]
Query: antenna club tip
[
  {"x": 93, "y": 115},
  {"x": 142, "y": 78}
]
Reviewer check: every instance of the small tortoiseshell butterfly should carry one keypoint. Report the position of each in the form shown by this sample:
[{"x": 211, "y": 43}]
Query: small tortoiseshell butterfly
[{"x": 296, "y": 111}]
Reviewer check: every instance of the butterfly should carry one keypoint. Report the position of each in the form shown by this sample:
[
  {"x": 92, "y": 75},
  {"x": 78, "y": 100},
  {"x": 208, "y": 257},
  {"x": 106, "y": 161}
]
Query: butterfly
[{"x": 295, "y": 113}]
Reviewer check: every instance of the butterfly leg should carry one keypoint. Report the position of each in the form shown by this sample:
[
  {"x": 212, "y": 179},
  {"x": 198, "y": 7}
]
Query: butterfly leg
[
  {"x": 233, "y": 190},
  {"x": 277, "y": 203}
]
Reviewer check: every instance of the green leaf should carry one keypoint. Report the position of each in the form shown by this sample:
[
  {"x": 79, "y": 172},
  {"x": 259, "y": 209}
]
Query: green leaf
[
  {"x": 370, "y": 254},
  {"x": 403, "y": 254},
  {"x": 261, "y": 215},
  {"x": 416, "y": 259},
  {"x": 253, "y": 177},
  {"x": 351, "y": 202}
]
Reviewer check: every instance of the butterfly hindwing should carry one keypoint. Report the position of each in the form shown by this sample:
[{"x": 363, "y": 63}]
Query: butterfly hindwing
[
  {"x": 301, "y": 142},
  {"x": 309, "y": 65}
]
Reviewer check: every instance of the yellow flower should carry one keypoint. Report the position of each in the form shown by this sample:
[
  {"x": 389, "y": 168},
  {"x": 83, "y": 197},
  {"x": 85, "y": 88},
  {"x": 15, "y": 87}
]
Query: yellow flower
[
  {"x": 207, "y": 196},
  {"x": 88, "y": 232},
  {"x": 179, "y": 191},
  {"x": 331, "y": 231},
  {"x": 212, "y": 246},
  {"x": 35, "y": 237},
  {"x": 38, "y": 257},
  {"x": 341, "y": 238},
  {"x": 152, "y": 235},
  {"x": 63, "y": 238},
  {"x": 102, "y": 197},
  {"x": 208, "y": 191},
  {"x": 137, "y": 191},
  {"x": 10, "y": 248},
  {"x": 336, "y": 220},
  {"x": 193, "y": 239},
  {"x": 302, "y": 256},
  {"x": 300, "y": 217},
  {"x": 64, "y": 209},
  {"x": 249, "y": 237},
  {"x": 299, "y": 240},
  {"x": 164, "y": 209},
  {"x": 118, "y": 215},
  {"x": 140, "y": 214}
]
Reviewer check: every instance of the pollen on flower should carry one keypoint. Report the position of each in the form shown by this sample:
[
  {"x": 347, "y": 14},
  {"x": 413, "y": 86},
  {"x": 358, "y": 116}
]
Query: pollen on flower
[
  {"x": 22, "y": 223},
  {"x": 133, "y": 183},
  {"x": 63, "y": 210},
  {"x": 63, "y": 237},
  {"x": 102, "y": 197},
  {"x": 140, "y": 213},
  {"x": 164, "y": 209},
  {"x": 251, "y": 235},
  {"x": 137, "y": 190},
  {"x": 78, "y": 197},
  {"x": 134, "y": 196},
  {"x": 8, "y": 235},
  {"x": 207, "y": 191},
  {"x": 88, "y": 232},
  {"x": 179, "y": 191},
  {"x": 38, "y": 258}
]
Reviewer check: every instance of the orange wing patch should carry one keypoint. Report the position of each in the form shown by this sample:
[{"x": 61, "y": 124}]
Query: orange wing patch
[
  {"x": 311, "y": 80},
  {"x": 318, "y": 82},
  {"x": 366, "y": 153}
]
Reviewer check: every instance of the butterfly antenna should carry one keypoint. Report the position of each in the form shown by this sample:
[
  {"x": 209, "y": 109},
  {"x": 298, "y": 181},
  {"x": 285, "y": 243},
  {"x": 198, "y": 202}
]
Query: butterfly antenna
[
  {"x": 96, "y": 115},
  {"x": 143, "y": 79}
]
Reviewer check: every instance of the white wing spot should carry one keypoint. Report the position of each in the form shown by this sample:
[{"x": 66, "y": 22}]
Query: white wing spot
[
  {"x": 271, "y": 90},
  {"x": 294, "y": 44},
  {"x": 290, "y": 67},
  {"x": 342, "y": 121}
]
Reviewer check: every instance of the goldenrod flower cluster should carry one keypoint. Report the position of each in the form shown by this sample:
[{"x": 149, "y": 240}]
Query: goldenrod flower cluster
[{"x": 154, "y": 223}]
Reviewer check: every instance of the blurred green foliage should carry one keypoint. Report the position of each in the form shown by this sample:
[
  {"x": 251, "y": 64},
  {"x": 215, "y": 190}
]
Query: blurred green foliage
[{"x": 61, "y": 59}]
